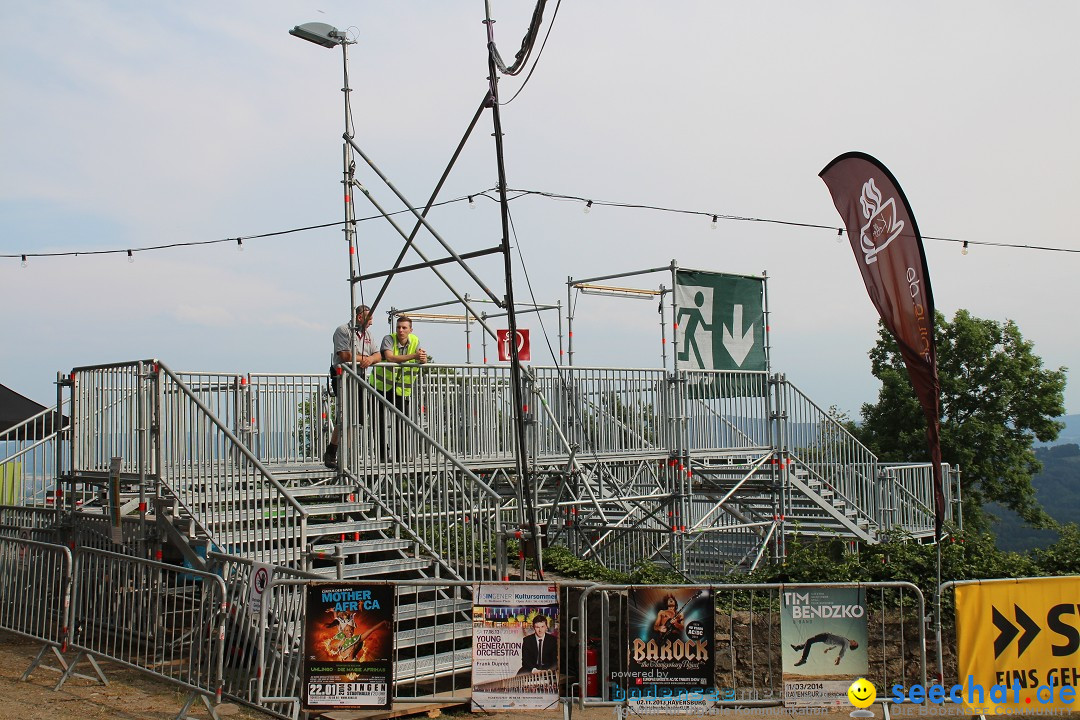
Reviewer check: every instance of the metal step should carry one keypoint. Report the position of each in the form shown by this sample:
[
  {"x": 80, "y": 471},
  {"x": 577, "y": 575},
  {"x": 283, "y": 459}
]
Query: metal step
[
  {"x": 337, "y": 508},
  {"x": 241, "y": 537},
  {"x": 244, "y": 494},
  {"x": 432, "y": 608},
  {"x": 356, "y": 547},
  {"x": 347, "y": 526},
  {"x": 438, "y": 665},
  {"x": 309, "y": 470},
  {"x": 379, "y": 567},
  {"x": 300, "y": 491},
  {"x": 461, "y": 630}
]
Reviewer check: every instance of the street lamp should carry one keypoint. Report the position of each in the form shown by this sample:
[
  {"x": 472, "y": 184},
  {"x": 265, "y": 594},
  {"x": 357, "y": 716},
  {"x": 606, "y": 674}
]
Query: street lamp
[
  {"x": 329, "y": 36},
  {"x": 320, "y": 34}
]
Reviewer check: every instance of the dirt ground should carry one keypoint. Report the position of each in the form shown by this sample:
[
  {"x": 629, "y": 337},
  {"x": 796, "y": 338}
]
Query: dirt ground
[
  {"x": 129, "y": 694},
  {"x": 133, "y": 696}
]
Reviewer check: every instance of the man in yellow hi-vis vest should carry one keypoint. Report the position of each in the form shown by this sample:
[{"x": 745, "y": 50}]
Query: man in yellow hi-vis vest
[{"x": 395, "y": 384}]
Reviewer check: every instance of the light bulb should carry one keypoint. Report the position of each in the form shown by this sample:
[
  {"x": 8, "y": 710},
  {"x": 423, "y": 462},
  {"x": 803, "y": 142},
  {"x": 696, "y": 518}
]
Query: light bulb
[
  {"x": 24, "y": 262},
  {"x": 840, "y": 235},
  {"x": 131, "y": 258},
  {"x": 713, "y": 223},
  {"x": 588, "y": 207},
  {"x": 239, "y": 245},
  {"x": 964, "y": 250},
  {"x": 472, "y": 203}
]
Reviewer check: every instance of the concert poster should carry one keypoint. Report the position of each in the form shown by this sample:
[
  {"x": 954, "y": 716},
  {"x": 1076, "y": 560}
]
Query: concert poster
[
  {"x": 515, "y": 646},
  {"x": 824, "y": 644},
  {"x": 349, "y": 645},
  {"x": 671, "y": 665}
]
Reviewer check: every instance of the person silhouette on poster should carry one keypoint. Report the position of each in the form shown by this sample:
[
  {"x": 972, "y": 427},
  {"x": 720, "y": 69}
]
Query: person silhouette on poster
[
  {"x": 669, "y": 621},
  {"x": 828, "y": 639},
  {"x": 695, "y": 319}
]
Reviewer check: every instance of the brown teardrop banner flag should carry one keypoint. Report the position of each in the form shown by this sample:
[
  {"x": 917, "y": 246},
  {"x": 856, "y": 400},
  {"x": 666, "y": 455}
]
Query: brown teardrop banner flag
[{"x": 889, "y": 252}]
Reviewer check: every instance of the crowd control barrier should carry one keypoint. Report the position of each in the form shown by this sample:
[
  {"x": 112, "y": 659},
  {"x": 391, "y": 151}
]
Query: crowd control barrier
[
  {"x": 748, "y": 642},
  {"x": 163, "y": 620},
  {"x": 433, "y": 633},
  {"x": 198, "y": 630},
  {"x": 35, "y": 594}
]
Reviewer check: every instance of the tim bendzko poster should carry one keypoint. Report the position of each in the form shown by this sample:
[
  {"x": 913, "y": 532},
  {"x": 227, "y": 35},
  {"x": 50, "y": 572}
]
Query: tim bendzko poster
[
  {"x": 671, "y": 664},
  {"x": 515, "y": 647},
  {"x": 349, "y": 650},
  {"x": 824, "y": 644}
]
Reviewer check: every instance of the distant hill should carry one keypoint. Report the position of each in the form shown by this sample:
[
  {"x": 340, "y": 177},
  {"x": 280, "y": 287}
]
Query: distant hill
[{"x": 1057, "y": 488}]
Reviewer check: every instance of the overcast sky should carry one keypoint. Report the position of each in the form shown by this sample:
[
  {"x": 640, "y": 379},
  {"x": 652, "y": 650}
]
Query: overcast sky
[{"x": 127, "y": 124}]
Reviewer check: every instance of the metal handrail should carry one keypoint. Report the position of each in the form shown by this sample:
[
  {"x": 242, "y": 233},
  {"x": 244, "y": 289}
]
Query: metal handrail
[
  {"x": 14, "y": 429},
  {"x": 412, "y": 478},
  {"x": 240, "y": 446}
]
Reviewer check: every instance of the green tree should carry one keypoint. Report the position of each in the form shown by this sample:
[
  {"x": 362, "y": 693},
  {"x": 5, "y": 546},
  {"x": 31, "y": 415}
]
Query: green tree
[{"x": 996, "y": 399}]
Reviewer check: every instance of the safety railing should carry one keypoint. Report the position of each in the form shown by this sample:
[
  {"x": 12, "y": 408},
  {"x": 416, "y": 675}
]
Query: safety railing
[
  {"x": 289, "y": 417},
  {"x": 411, "y": 478},
  {"x": 726, "y": 410},
  {"x": 162, "y": 620},
  {"x": 275, "y": 658},
  {"x": 110, "y": 417},
  {"x": 29, "y": 453},
  {"x": 225, "y": 396},
  {"x": 432, "y": 641},
  {"x": 909, "y": 497},
  {"x": 466, "y": 409},
  {"x": 35, "y": 587},
  {"x": 824, "y": 447},
  {"x": 747, "y": 644},
  {"x": 601, "y": 412},
  {"x": 235, "y": 500},
  {"x": 35, "y": 521}
]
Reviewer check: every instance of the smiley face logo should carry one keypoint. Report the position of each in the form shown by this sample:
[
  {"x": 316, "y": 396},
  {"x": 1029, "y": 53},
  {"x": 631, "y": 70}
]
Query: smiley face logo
[{"x": 862, "y": 693}]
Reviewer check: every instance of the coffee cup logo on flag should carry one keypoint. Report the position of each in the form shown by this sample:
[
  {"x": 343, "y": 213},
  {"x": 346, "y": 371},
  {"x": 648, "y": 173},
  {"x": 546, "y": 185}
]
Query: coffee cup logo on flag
[{"x": 889, "y": 252}]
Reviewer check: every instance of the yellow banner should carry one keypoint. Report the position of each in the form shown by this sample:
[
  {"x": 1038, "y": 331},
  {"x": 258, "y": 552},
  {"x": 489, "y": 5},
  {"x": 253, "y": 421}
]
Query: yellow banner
[
  {"x": 10, "y": 484},
  {"x": 1019, "y": 644}
]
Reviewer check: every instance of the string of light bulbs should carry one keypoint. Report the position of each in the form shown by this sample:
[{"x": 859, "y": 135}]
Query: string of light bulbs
[
  {"x": 516, "y": 194},
  {"x": 714, "y": 218},
  {"x": 239, "y": 241}
]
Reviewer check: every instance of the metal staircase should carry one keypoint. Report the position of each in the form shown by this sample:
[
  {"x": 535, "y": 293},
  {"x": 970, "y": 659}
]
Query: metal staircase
[{"x": 708, "y": 473}]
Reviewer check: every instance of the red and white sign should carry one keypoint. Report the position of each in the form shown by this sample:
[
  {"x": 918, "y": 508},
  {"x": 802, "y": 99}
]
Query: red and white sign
[{"x": 503, "y": 337}]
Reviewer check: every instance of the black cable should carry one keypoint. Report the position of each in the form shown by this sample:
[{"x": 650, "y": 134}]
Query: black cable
[
  {"x": 195, "y": 243},
  {"x": 539, "y": 193},
  {"x": 527, "y": 43},
  {"x": 790, "y": 223},
  {"x": 538, "y": 54}
]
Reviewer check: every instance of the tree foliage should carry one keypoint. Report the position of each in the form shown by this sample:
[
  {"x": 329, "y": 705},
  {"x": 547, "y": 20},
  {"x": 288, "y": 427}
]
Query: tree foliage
[{"x": 996, "y": 399}]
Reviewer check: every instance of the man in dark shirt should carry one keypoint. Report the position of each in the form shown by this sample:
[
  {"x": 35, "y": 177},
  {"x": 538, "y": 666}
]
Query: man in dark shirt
[{"x": 539, "y": 651}]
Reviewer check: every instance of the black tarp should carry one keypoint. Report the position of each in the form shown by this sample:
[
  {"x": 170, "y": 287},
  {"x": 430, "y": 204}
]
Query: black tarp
[{"x": 14, "y": 408}]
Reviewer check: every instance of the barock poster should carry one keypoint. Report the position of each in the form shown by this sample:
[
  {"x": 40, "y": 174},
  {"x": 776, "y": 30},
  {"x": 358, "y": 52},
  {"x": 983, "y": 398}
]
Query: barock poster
[
  {"x": 515, "y": 646},
  {"x": 824, "y": 637},
  {"x": 349, "y": 650},
  {"x": 889, "y": 252},
  {"x": 670, "y": 668}
]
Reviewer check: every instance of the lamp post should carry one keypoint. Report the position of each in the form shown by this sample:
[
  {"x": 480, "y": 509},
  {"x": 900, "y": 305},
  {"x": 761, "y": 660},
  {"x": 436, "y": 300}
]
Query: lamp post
[{"x": 328, "y": 36}]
